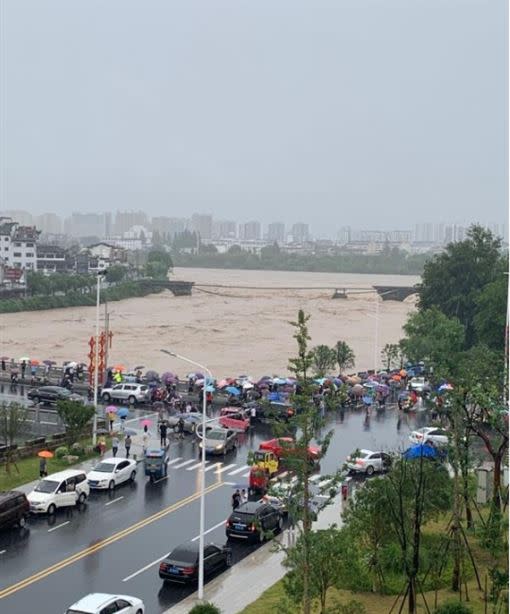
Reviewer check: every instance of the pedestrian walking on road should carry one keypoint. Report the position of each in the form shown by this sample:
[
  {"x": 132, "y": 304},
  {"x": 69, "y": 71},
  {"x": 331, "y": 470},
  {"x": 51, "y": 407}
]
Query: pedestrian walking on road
[
  {"x": 23, "y": 369},
  {"x": 42, "y": 468},
  {"x": 145, "y": 442},
  {"x": 236, "y": 500},
  {"x": 162, "y": 432},
  {"x": 180, "y": 428},
  {"x": 115, "y": 445},
  {"x": 127, "y": 445},
  {"x": 244, "y": 496},
  {"x": 102, "y": 446},
  {"x": 111, "y": 418}
]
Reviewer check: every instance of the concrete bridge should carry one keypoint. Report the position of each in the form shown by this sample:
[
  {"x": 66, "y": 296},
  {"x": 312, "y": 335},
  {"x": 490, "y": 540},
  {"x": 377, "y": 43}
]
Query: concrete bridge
[
  {"x": 177, "y": 288},
  {"x": 395, "y": 293}
]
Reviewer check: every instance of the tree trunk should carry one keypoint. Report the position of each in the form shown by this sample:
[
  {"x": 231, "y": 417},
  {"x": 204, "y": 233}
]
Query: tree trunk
[
  {"x": 496, "y": 483},
  {"x": 411, "y": 601}
]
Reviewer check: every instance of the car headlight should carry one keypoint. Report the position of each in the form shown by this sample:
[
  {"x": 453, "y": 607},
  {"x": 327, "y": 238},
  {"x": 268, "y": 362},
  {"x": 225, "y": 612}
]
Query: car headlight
[{"x": 219, "y": 446}]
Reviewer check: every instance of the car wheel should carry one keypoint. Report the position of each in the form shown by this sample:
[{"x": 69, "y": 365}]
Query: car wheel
[
  {"x": 370, "y": 470},
  {"x": 35, "y": 400},
  {"x": 82, "y": 498},
  {"x": 106, "y": 397},
  {"x": 139, "y": 612},
  {"x": 22, "y": 521},
  {"x": 132, "y": 476},
  {"x": 111, "y": 485},
  {"x": 132, "y": 400},
  {"x": 52, "y": 509},
  {"x": 193, "y": 427}
]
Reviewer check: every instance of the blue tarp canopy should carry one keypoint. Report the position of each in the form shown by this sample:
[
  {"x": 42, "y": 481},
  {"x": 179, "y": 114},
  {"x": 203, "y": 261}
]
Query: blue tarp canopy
[{"x": 420, "y": 450}]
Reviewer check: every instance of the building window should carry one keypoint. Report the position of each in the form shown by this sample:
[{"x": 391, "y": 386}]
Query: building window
[
  {"x": 29, "y": 255},
  {"x": 17, "y": 244},
  {"x": 6, "y": 249},
  {"x": 29, "y": 244},
  {"x": 17, "y": 254}
]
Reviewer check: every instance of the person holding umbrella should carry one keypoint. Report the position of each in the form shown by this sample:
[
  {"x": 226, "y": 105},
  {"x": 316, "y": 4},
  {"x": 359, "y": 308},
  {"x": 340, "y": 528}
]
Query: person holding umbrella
[{"x": 43, "y": 468}]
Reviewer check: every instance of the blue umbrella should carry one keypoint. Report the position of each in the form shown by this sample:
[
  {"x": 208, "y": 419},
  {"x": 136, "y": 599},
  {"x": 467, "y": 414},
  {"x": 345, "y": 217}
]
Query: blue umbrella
[
  {"x": 274, "y": 396},
  {"x": 209, "y": 388},
  {"x": 420, "y": 450},
  {"x": 367, "y": 400},
  {"x": 279, "y": 381},
  {"x": 123, "y": 412},
  {"x": 233, "y": 390}
]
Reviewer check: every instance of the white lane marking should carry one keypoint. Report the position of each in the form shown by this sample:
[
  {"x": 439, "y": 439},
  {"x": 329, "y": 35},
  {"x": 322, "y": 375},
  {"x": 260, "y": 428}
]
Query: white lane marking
[
  {"x": 213, "y": 466},
  {"x": 245, "y": 475},
  {"x": 324, "y": 482},
  {"x": 3, "y": 551},
  {"x": 192, "y": 460},
  {"x": 239, "y": 470},
  {"x": 195, "y": 466},
  {"x": 175, "y": 460},
  {"x": 63, "y": 524},
  {"x": 114, "y": 500},
  {"x": 209, "y": 530},
  {"x": 229, "y": 483},
  {"x": 225, "y": 467},
  {"x": 136, "y": 573}
]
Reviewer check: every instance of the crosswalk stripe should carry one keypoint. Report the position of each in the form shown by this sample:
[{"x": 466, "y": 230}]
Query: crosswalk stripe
[
  {"x": 192, "y": 460},
  {"x": 175, "y": 460},
  {"x": 213, "y": 466},
  {"x": 239, "y": 470},
  {"x": 195, "y": 466},
  {"x": 245, "y": 475},
  {"x": 224, "y": 468}
]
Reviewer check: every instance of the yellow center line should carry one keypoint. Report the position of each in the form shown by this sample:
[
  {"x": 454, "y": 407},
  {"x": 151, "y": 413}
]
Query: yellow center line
[{"x": 14, "y": 588}]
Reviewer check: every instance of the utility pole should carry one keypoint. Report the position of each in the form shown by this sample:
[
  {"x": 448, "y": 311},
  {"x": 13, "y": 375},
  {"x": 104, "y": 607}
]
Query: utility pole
[{"x": 106, "y": 339}]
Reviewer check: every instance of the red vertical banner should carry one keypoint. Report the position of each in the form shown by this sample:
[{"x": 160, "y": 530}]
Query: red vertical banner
[{"x": 92, "y": 356}]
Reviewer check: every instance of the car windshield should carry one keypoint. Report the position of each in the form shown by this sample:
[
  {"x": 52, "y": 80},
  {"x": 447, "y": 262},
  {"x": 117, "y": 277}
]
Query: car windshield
[
  {"x": 104, "y": 467},
  {"x": 183, "y": 555},
  {"x": 46, "y": 486},
  {"x": 216, "y": 435},
  {"x": 241, "y": 517},
  {"x": 363, "y": 455},
  {"x": 75, "y": 612}
]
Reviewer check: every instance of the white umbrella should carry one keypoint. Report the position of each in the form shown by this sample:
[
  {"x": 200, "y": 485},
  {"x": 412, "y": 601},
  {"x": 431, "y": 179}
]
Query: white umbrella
[{"x": 248, "y": 386}]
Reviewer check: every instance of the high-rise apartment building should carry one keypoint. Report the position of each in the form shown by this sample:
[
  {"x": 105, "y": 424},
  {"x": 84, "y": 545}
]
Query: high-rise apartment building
[
  {"x": 300, "y": 233},
  {"x": 24, "y": 218},
  {"x": 224, "y": 229},
  {"x": 170, "y": 225},
  {"x": 125, "y": 220},
  {"x": 49, "y": 223},
  {"x": 202, "y": 225},
  {"x": 251, "y": 231},
  {"x": 88, "y": 225},
  {"x": 344, "y": 235},
  {"x": 276, "y": 232}
]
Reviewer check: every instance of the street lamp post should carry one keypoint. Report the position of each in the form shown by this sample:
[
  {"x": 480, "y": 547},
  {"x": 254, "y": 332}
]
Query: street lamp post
[
  {"x": 100, "y": 274},
  {"x": 202, "y": 473}
]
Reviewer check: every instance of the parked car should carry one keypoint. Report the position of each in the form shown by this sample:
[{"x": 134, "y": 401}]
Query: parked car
[
  {"x": 181, "y": 565},
  {"x": 235, "y": 418},
  {"x": 368, "y": 462},
  {"x": 63, "y": 489},
  {"x": 103, "y": 603},
  {"x": 14, "y": 509},
  {"x": 52, "y": 394},
  {"x": 111, "y": 472},
  {"x": 253, "y": 521},
  {"x": 132, "y": 393},
  {"x": 191, "y": 421},
  {"x": 436, "y": 435},
  {"x": 219, "y": 441},
  {"x": 286, "y": 446}
]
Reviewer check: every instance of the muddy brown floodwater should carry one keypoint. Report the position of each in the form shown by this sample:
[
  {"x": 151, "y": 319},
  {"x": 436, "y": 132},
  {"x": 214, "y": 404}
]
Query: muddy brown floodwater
[{"x": 230, "y": 330}]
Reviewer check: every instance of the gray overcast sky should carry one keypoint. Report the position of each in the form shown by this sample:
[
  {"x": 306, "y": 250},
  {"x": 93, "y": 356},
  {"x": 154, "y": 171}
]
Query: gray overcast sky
[{"x": 373, "y": 113}]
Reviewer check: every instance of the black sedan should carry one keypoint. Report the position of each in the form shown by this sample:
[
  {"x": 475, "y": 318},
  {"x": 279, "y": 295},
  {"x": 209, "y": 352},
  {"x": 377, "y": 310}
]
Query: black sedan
[
  {"x": 181, "y": 565},
  {"x": 52, "y": 394}
]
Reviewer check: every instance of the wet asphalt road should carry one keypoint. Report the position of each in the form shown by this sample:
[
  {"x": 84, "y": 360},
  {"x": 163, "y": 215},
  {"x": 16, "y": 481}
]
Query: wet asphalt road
[{"x": 114, "y": 542}]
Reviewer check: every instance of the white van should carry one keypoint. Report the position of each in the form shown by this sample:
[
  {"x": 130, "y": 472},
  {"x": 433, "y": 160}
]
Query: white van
[{"x": 62, "y": 489}]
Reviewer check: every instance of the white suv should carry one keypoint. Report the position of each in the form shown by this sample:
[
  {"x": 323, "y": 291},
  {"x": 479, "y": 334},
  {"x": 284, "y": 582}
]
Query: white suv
[
  {"x": 132, "y": 393},
  {"x": 63, "y": 489}
]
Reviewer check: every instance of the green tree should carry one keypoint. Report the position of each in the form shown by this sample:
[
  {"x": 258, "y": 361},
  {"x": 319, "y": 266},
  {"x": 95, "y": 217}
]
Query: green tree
[
  {"x": 452, "y": 281},
  {"x": 490, "y": 316},
  {"x": 344, "y": 356},
  {"x": 162, "y": 256},
  {"x": 156, "y": 270},
  {"x": 115, "y": 273},
  {"x": 390, "y": 355},
  {"x": 327, "y": 567},
  {"x": 323, "y": 359},
  {"x": 434, "y": 338},
  {"x": 75, "y": 416},
  {"x": 13, "y": 417}
]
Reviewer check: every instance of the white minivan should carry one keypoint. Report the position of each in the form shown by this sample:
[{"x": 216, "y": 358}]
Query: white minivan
[{"x": 62, "y": 489}]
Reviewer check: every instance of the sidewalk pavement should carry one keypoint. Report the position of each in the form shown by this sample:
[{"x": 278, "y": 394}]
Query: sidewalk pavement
[
  {"x": 136, "y": 449},
  {"x": 243, "y": 583}
]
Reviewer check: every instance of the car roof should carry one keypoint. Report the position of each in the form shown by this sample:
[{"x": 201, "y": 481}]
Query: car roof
[
  {"x": 63, "y": 475},
  {"x": 90, "y": 603},
  {"x": 364, "y": 451},
  {"x": 5, "y": 495},
  {"x": 189, "y": 546},
  {"x": 250, "y": 507}
]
